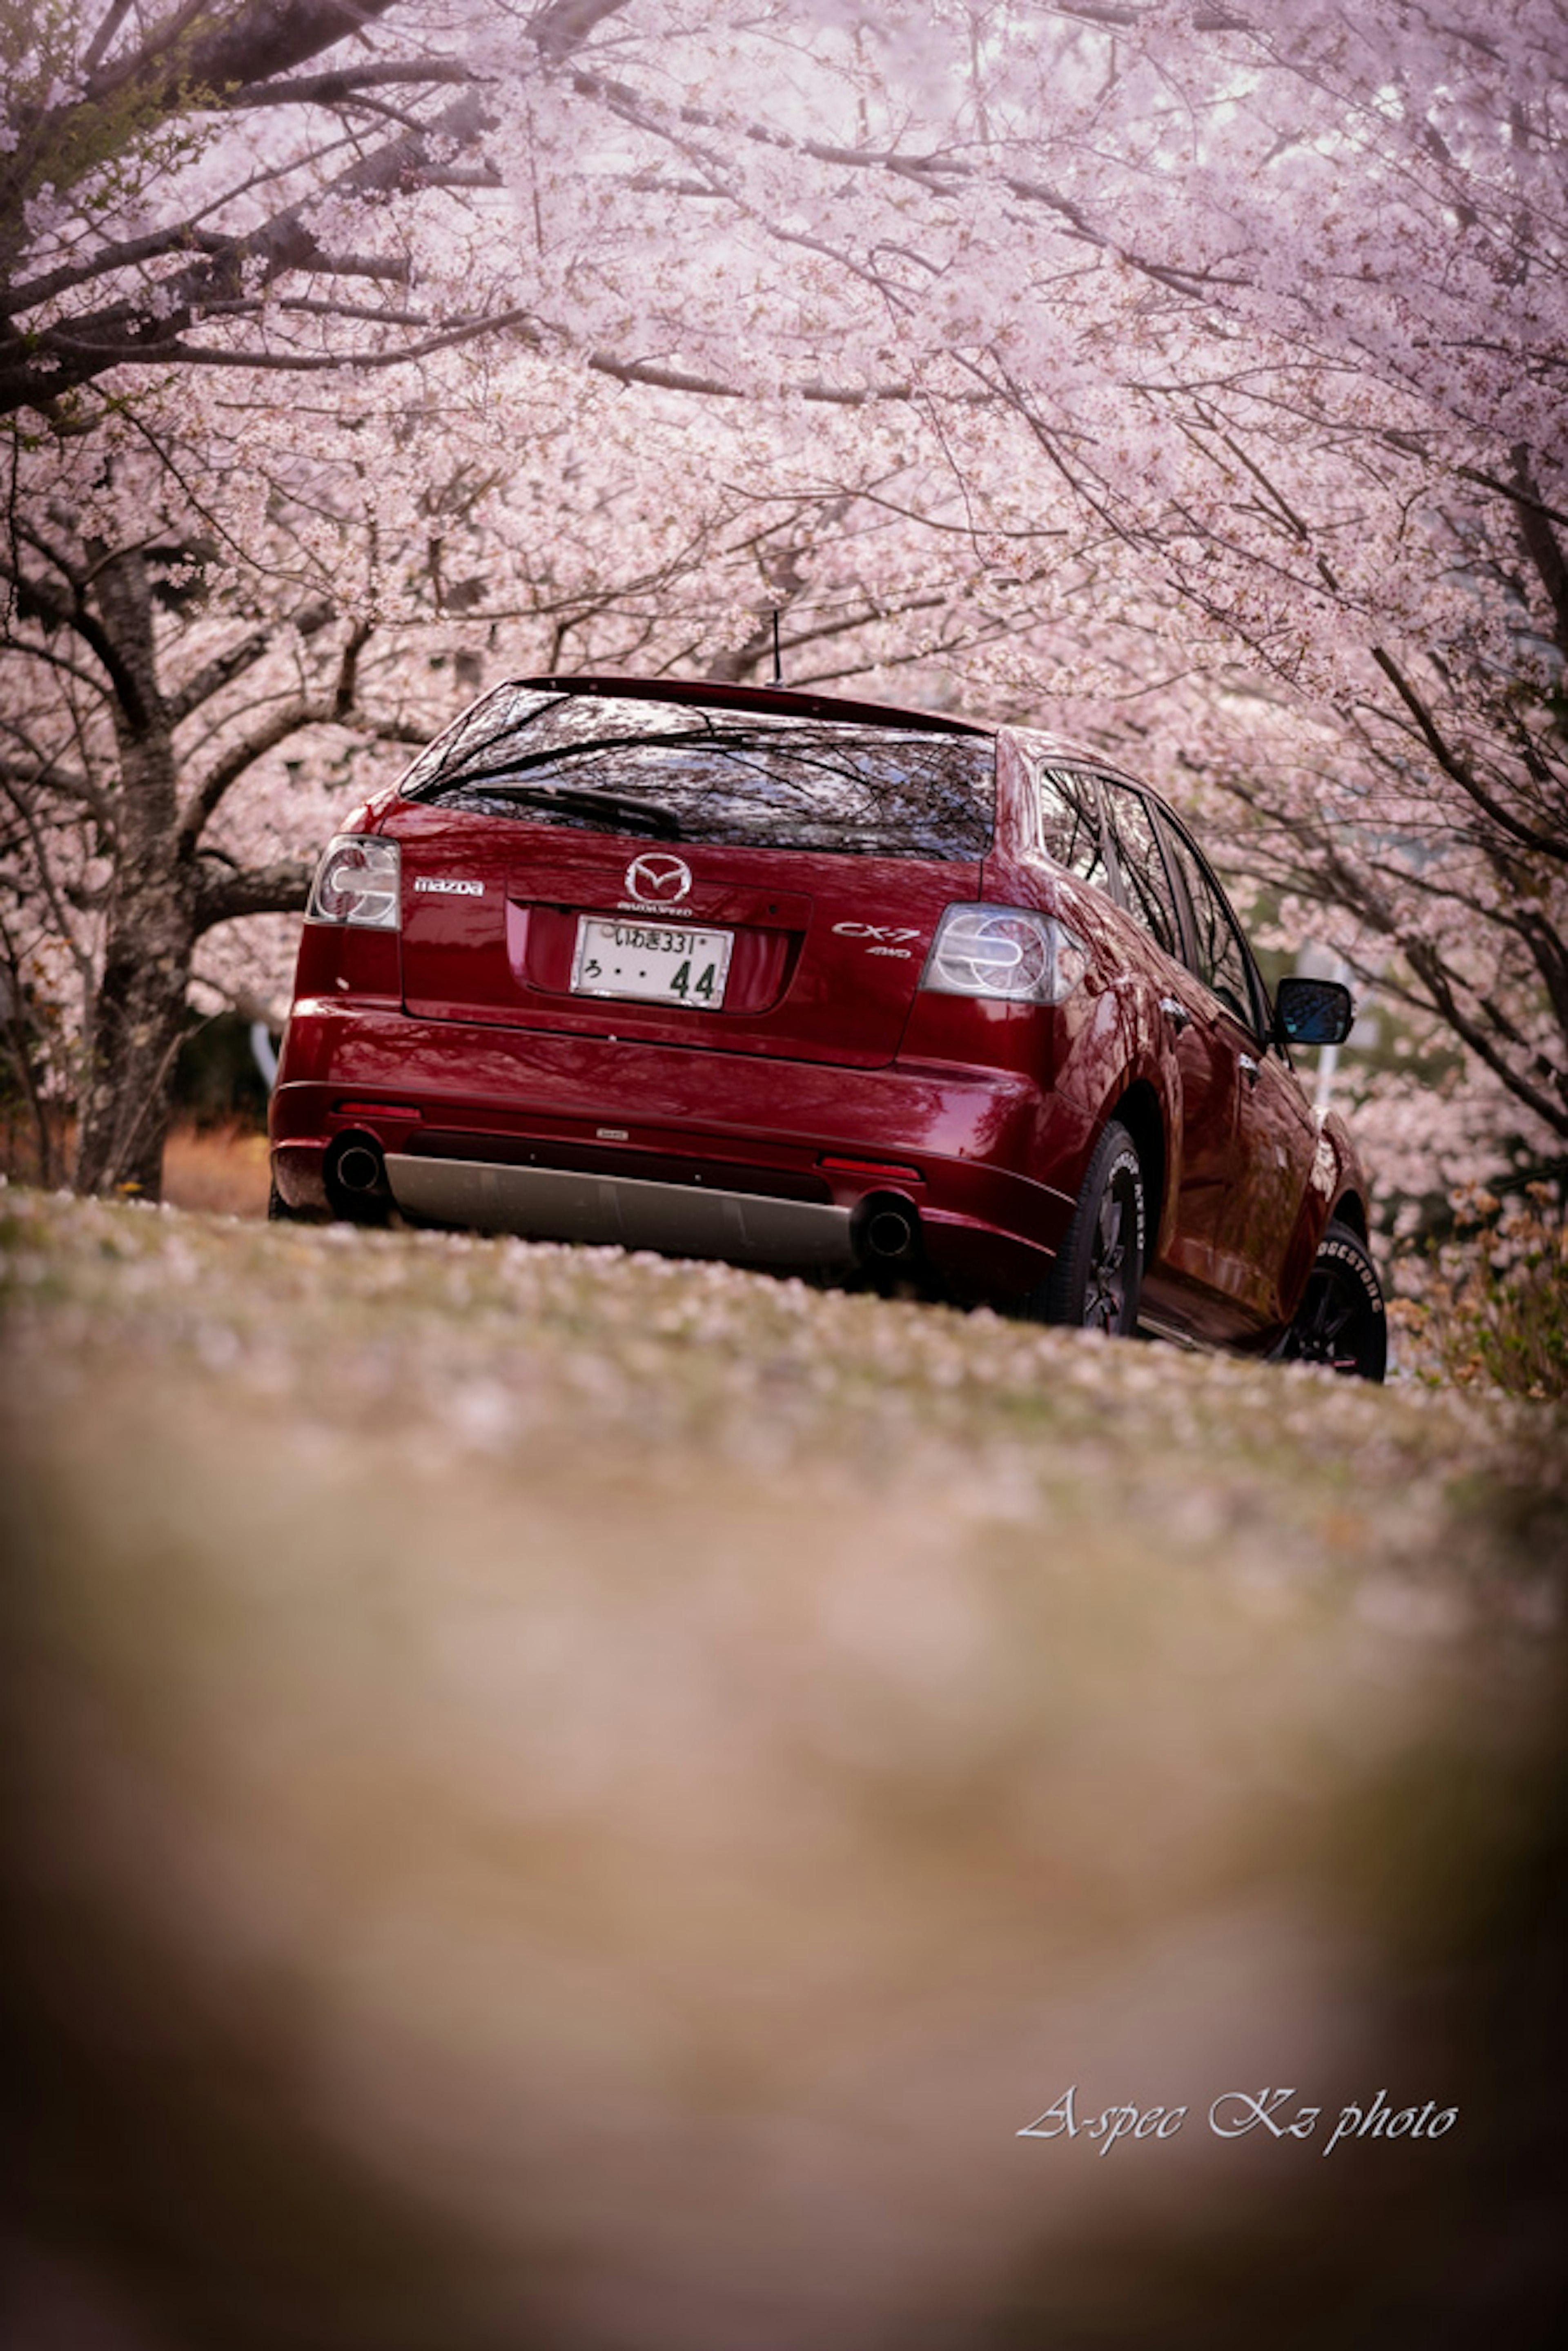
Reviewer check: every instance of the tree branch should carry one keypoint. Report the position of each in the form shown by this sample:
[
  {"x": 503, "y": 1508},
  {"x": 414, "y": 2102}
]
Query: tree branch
[
  {"x": 333, "y": 88},
  {"x": 243, "y": 47},
  {"x": 562, "y": 26},
  {"x": 1425, "y": 962},
  {"x": 206, "y": 795},
  {"x": 50, "y": 777},
  {"x": 113, "y": 18},
  {"x": 1459, "y": 772},
  {"x": 235, "y": 659},
  {"x": 346, "y": 687},
  {"x": 222, "y": 898},
  {"x": 72, "y": 613},
  {"x": 1540, "y": 543}
]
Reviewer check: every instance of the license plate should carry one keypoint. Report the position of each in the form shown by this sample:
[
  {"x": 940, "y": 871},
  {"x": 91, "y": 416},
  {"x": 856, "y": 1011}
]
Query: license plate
[{"x": 651, "y": 963}]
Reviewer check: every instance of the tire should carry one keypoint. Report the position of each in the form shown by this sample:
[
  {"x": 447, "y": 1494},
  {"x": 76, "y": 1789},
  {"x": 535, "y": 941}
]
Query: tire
[
  {"x": 1098, "y": 1275},
  {"x": 1342, "y": 1319}
]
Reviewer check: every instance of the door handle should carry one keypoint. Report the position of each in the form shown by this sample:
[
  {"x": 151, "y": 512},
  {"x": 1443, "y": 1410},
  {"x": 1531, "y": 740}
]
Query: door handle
[
  {"x": 1249, "y": 1067},
  {"x": 1175, "y": 1012}
]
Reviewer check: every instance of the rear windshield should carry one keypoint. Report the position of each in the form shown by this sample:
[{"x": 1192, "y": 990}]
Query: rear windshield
[{"x": 680, "y": 771}]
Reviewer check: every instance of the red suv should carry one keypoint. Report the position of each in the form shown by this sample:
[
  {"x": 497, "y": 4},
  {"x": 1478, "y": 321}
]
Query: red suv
[{"x": 810, "y": 983}]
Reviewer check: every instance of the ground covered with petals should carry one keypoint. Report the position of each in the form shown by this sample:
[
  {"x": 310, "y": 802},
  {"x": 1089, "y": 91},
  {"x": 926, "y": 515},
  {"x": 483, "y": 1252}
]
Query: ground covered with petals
[{"x": 582, "y": 1799}]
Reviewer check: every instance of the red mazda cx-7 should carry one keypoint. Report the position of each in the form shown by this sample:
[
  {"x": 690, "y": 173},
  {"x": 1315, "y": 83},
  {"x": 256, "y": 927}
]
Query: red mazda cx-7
[{"x": 808, "y": 983}]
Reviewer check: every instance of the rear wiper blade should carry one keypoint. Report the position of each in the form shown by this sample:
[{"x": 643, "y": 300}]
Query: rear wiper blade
[{"x": 607, "y": 809}]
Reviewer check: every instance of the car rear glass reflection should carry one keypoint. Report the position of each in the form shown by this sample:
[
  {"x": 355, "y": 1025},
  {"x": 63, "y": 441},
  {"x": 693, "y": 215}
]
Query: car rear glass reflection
[{"x": 759, "y": 778}]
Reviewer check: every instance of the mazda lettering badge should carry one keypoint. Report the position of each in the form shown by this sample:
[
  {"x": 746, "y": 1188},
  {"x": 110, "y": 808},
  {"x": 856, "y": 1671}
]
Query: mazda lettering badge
[{"x": 657, "y": 879}]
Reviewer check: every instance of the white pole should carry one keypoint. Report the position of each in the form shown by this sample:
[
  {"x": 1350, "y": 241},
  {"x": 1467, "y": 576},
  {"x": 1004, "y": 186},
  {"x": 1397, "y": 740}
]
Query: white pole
[
  {"x": 261, "y": 1049},
  {"x": 1328, "y": 1055}
]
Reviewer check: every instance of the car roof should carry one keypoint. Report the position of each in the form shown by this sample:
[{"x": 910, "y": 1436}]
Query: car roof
[{"x": 783, "y": 700}]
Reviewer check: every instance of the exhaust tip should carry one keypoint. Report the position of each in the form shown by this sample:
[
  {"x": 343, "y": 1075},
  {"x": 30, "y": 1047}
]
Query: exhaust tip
[
  {"x": 887, "y": 1230},
  {"x": 357, "y": 1178},
  {"x": 359, "y": 1168}
]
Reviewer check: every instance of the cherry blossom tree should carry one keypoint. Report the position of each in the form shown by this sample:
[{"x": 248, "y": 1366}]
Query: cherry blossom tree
[
  {"x": 1185, "y": 376},
  {"x": 185, "y": 186},
  {"x": 240, "y": 633},
  {"x": 188, "y": 200},
  {"x": 1258, "y": 320}
]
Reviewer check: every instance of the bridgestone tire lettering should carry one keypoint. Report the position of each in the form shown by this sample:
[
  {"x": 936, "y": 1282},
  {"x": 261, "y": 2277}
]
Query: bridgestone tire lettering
[{"x": 1342, "y": 1322}]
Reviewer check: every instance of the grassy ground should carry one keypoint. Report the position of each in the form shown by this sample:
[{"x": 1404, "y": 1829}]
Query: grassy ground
[
  {"x": 217, "y": 1165},
  {"x": 578, "y": 1800},
  {"x": 221, "y": 1169}
]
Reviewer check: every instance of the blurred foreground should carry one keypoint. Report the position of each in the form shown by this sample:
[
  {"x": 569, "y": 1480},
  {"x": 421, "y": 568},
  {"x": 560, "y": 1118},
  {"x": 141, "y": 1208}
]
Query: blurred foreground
[{"x": 574, "y": 1801}]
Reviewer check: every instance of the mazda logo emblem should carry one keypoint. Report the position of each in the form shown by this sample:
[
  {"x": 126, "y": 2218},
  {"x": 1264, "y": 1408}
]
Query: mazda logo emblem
[{"x": 658, "y": 880}]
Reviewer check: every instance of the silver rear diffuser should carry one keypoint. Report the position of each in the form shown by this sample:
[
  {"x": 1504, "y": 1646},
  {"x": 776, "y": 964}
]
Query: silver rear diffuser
[{"x": 679, "y": 1220}]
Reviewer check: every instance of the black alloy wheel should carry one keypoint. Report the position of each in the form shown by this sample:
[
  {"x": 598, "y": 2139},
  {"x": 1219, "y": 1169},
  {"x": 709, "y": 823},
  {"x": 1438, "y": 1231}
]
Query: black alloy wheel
[
  {"x": 1342, "y": 1319},
  {"x": 1098, "y": 1275}
]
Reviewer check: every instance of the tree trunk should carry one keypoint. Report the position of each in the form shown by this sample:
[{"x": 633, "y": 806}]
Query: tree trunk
[{"x": 140, "y": 1012}]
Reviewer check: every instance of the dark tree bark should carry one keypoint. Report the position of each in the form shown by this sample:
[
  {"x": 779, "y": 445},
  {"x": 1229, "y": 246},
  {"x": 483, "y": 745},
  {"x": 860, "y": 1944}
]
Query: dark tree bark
[
  {"x": 139, "y": 1011},
  {"x": 165, "y": 893},
  {"x": 139, "y": 1015}
]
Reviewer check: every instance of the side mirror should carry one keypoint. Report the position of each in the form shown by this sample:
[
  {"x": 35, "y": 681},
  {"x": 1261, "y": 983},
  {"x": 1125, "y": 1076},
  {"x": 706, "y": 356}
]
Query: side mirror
[{"x": 1311, "y": 1012}]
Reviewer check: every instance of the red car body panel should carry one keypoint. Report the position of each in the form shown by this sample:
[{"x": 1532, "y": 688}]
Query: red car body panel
[
  {"x": 507, "y": 957},
  {"x": 830, "y": 1078}
]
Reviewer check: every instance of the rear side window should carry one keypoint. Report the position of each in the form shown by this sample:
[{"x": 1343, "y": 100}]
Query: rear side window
[
  {"x": 1222, "y": 960},
  {"x": 1149, "y": 892},
  {"x": 1070, "y": 823},
  {"x": 684, "y": 771}
]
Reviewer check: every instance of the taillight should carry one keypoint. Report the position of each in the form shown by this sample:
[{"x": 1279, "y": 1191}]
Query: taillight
[
  {"x": 359, "y": 881},
  {"x": 1004, "y": 952}
]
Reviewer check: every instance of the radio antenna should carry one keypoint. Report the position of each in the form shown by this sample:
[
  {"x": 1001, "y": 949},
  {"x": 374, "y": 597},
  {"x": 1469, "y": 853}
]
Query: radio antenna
[{"x": 777, "y": 664}]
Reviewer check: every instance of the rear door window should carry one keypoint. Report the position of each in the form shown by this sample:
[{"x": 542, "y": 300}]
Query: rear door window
[{"x": 686, "y": 772}]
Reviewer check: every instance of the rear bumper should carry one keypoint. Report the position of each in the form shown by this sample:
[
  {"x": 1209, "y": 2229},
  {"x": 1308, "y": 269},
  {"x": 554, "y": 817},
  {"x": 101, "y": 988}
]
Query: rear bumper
[{"x": 701, "y": 1154}]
